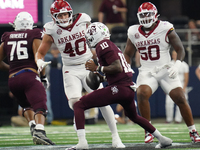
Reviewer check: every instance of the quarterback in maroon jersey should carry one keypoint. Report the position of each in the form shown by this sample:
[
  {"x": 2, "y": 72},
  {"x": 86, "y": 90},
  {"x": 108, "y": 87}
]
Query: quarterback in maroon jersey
[
  {"x": 19, "y": 47},
  {"x": 120, "y": 87}
]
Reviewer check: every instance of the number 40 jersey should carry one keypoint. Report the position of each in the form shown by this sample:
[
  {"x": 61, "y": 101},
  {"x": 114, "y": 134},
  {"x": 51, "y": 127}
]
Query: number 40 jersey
[
  {"x": 71, "y": 40},
  {"x": 153, "y": 46},
  {"x": 18, "y": 48}
]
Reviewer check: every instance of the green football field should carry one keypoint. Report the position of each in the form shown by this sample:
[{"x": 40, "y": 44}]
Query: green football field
[{"x": 98, "y": 136}]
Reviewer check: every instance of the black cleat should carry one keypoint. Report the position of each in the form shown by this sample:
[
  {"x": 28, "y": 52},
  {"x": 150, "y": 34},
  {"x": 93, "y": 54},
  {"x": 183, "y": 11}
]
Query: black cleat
[{"x": 39, "y": 138}]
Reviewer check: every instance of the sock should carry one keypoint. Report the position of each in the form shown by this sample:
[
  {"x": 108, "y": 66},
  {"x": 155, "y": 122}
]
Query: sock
[
  {"x": 109, "y": 117},
  {"x": 157, "y": 134},
  {"x": 39, "y": 127},
  {"x": 191, "y": 128},
  {"x": 81, "y": 135},
  {"x": 31, "y": 122}
]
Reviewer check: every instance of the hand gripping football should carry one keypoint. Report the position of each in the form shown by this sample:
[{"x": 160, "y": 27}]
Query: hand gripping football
[{"x": 93, "y": 80}]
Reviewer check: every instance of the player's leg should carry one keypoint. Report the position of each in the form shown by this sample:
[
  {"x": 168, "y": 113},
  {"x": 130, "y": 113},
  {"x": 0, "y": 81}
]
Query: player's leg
[
  {"x": 36, "y": 96},
  {"x": 169, "y": 109},
  {"x": 109, "y": 117},
  {"x": 173, "y": 87},
  {"x": 178, "y": 96},
  {"x": 147, "y": 86},
  {"x": 178, "y": 117},
  {"x": 130, "y": 111}
]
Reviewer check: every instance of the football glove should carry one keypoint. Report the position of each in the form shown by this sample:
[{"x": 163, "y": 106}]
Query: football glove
[
  {"x": 42, "y": 64},
  {"x": 173, "y": 70},
  {"x": 45, "y": 82}
]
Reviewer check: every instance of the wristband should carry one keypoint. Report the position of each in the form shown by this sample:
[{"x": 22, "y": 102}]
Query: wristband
[{"x": 100, "y": 69}]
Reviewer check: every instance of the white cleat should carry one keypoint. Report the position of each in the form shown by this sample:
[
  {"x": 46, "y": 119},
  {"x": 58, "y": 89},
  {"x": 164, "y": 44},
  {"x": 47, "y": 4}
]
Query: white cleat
[
  {"x": 79, "y": 146},
  {"x": 118, "y": 144},
  {"x": 164, "y": 142}
]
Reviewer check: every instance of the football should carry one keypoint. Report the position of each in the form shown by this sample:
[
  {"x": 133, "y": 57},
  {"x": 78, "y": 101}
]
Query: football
[{"x": 93, "y": 80}]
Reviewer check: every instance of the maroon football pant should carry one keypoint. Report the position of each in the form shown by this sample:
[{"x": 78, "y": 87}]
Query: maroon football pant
[
  {"x": 110, "y": 95},
  {"x": 28, "y": 91}
]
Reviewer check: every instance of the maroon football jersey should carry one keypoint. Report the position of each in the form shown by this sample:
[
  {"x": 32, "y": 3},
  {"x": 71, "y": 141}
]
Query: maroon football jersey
[
  {"x": 18, "y": 48},
  {"x": 108, "y": 52}
]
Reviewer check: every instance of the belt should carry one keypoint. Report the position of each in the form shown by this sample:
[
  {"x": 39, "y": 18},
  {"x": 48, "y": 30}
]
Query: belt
[{"x": 22, "y": 71}]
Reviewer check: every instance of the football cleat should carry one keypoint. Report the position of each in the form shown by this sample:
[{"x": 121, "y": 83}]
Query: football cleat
[
  {"x": 194, "y": 135},
  {"x": 117, "y": 143},
  {"x": 164, "y": 142},
  {"x": 148, "y": 137},
  {"x": 39, "y": 138},
  {"x": 32, "y": 128},
  {"x": 79, "y": 146}
]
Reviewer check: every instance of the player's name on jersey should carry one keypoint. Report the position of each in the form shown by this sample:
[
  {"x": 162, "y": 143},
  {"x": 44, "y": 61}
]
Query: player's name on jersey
[{"x": 18, "y": 35}]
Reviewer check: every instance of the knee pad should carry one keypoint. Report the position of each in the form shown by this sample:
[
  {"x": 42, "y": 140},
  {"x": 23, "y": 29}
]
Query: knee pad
[
  {"x": 25, "y": 109},
  {"x": 41, "y": 111},
  {"x": 71, "y": 102}
]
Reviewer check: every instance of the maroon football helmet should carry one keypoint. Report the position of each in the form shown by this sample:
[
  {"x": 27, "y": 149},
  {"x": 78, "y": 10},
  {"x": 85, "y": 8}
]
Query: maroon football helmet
[
  {"x": 147, "y": 14},
  {"x": 61, "y": 6}
]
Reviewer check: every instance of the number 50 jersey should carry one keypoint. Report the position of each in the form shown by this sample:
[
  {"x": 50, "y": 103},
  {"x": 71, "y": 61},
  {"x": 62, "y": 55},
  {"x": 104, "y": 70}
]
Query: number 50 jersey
[
  {"x": 71, "y": 40},
  {"x": 153, "y": 46}
]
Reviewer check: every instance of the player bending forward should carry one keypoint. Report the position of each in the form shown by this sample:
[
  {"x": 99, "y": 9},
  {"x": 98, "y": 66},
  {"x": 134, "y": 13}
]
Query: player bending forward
[{"x": 120, "y": 87}]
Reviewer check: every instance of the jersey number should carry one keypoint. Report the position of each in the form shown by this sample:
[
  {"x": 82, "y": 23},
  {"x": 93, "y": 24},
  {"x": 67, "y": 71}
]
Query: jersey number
[
  {"x": 124, "y": 63},
  {"x": 80, "y": 48},
  {"x": 153, "y": 52},
  {"x": 21, "y": 51}
]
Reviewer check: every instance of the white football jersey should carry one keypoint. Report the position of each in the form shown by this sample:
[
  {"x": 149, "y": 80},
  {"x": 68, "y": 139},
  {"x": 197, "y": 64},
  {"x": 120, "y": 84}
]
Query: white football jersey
[
  {"x": 154, "y": 47},
  {"x": 71, "y": 40}
]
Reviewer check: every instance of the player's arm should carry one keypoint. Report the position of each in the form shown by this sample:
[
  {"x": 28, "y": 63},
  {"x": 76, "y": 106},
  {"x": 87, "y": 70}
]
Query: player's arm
[
  {"x": 41, "y": 52},
  {"x": 3, "y": 65},
  {"x": 129, "y": 51},
  {"x": 35, "y": 46},
  {"x": 44, "y": 47},
  {"x": 114, "y": 67},
  {"x": 176, "y": 43}
]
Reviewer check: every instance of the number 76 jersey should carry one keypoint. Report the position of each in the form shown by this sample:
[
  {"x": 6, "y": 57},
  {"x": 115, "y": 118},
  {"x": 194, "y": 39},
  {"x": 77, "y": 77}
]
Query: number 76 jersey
[
  {"x": 18, "y": 48},
  {"x": 71, "y": 41},
  {"x": 154, "y": 47}
]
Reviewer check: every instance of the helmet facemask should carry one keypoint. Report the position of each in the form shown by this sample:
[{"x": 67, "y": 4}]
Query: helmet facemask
[
  {"x": 63, "y": 22},
  {"x": 147, "y": 14},
  {"x": 58, "y": 7}
]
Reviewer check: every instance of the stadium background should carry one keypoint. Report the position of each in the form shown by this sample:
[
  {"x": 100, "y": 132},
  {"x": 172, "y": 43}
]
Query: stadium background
[{"x": 167, "y": 8}]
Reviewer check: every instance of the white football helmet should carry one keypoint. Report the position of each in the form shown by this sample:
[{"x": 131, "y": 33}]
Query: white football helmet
[
  {"x": 61, "y": 6},
  {"x": 147, "y": 14},
  {"x": 23, "y": 21},
  {"x": 96, "y": 32}
]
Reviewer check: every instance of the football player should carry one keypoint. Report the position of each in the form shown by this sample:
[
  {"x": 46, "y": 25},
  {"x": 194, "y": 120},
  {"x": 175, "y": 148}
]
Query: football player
[
  {"x": 19, "y": 47},
  {"x": 67, "y": 31},
  {"x": 120, "y": 87},
  {"x": 153, "y": 39}
]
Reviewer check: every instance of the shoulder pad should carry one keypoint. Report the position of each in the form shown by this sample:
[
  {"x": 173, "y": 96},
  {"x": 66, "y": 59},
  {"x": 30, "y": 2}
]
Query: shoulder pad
[
  {"x": 132, "y": 29},
  {"x": 48, "y": 27},
  {"x": 84, "y": 18},
  {"x": 166, "y": 25}
]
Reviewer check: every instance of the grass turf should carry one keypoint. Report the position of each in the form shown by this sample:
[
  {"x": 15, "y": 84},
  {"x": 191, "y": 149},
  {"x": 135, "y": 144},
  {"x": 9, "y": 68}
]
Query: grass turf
[{"x": 95, "y": 134}]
